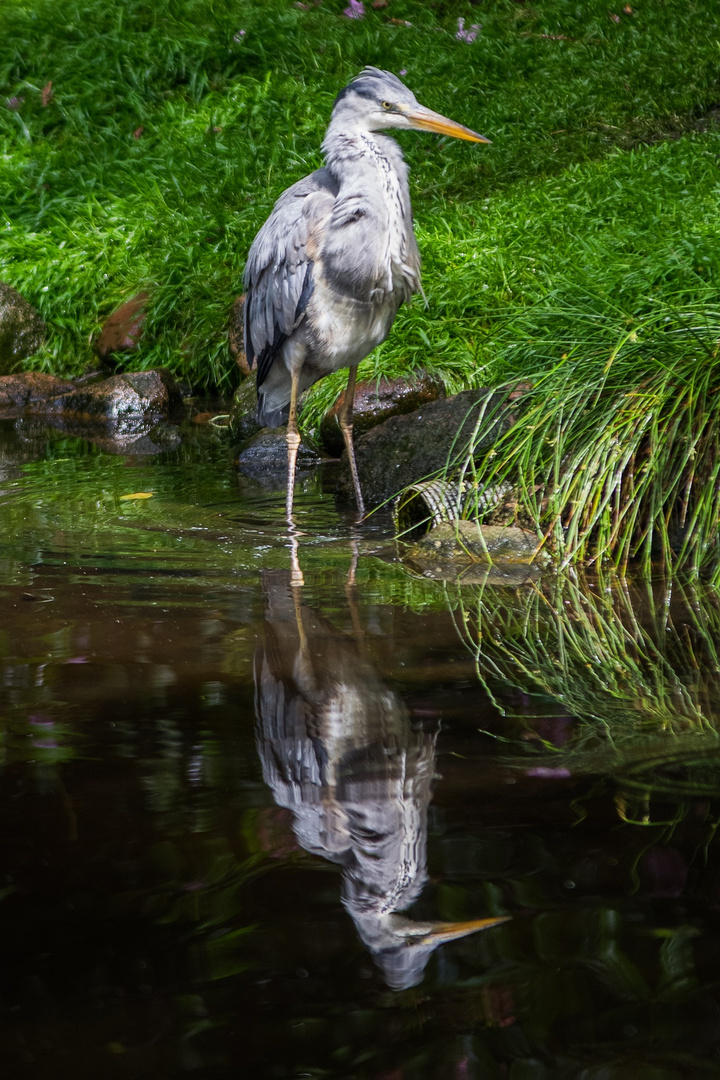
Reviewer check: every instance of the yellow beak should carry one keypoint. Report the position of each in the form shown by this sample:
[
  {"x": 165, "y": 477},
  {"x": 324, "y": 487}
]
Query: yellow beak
[
  {"x": 451, "y": 931},
  {"x": 426, "y": 120}
]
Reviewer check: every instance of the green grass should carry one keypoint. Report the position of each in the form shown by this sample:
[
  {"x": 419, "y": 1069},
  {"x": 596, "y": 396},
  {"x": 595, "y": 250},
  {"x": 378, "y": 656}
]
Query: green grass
[{"x": 514, "y": 237}]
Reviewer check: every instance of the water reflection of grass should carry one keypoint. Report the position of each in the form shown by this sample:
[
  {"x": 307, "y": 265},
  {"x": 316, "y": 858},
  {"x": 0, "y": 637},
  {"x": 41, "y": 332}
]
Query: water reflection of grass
[{"x": 635, "y": 663}]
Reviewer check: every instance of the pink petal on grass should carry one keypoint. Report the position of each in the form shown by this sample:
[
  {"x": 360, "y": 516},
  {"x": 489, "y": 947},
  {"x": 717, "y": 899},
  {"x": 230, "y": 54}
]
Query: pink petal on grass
[
  {"x": 468, "y": 35},
  {"x": 355, "y": 10}
]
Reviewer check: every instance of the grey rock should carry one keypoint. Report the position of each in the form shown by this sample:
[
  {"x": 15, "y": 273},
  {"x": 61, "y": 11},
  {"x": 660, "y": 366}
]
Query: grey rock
[
  {"x": 22, "y": 330},
  {"x": 405, "y": 449}
]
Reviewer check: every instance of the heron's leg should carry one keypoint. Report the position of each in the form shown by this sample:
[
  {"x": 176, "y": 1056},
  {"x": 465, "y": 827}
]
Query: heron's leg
[
  {"x": 292, "y": 438},
  {"x": 345, "y": 421}
]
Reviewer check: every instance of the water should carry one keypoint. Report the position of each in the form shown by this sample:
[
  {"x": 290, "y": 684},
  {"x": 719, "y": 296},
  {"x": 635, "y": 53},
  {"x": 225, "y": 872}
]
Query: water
[{"x": 234, "y": 813}]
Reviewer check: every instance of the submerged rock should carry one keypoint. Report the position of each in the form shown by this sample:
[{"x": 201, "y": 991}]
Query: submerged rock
[
  {"x": 22, "y": 329},
  {"x": 405, "y": 449},
  {"x": 376, "y": 401},
  {"x": 471, "y": 542},
  {"x": 123, "y": 329},
  {"x": 466, "y": 552}
]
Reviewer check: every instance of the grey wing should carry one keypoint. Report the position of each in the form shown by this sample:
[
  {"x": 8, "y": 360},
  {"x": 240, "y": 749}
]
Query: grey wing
[{"x": 279, "y": 270}]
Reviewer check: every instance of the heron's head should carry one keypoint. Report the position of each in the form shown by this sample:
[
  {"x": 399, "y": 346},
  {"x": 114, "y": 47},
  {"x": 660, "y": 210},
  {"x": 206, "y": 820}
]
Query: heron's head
[{"x": 377, "y": 100}]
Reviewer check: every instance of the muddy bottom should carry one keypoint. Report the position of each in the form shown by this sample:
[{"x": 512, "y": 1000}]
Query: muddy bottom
[{"x": 373, "y": 826}]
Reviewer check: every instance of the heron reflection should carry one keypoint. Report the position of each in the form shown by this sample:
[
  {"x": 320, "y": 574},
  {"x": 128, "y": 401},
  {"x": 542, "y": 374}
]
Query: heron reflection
[{"x": 340, "y": 750}]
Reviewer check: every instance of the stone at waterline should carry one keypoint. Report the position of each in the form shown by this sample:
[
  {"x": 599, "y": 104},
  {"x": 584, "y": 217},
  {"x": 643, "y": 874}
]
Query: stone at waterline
[
  {"x": 470, "y": 542},
  {"x": 375, "y": 401},
  {"x": 124, "y": 402},
  {"x": 405, "y": 449},
  {"x": 123, "y": 330},
  {"x": 265, "y": 458},
  {"x": 236, "y": 334},
  {"x": 464, "y": 551},
  {"x": 22, "y": 329},
  {"x": 29, "y": 388},
  {"x": 243, "y": 412}
]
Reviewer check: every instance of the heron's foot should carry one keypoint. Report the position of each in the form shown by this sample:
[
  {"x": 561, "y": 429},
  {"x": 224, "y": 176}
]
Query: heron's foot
[{"x": 292, "y": 439}]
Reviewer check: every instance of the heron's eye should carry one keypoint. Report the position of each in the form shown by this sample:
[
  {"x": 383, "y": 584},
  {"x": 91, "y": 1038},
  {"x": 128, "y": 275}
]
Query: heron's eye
[{"x": 387, "y": 105}]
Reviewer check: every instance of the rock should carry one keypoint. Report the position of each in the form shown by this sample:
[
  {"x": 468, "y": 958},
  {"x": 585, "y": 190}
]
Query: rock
[
  {"x": 464, "y": 551},
  {"x": 124, "y": 402},
  {"x": 376, "y": 401},
  {"x": 29, "y": 388},
  {"x": 405, "y": 449},
  {"x": 243, "y": 419},
  {"x": 265, "y": 458},
  {"x": 21, "y": 329},
  {"x": 124, "y": 328},
  {"x": 236, "y": 334}
]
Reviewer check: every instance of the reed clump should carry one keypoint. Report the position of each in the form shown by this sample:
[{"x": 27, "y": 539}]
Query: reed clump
[{"x": 615, "y": 456}]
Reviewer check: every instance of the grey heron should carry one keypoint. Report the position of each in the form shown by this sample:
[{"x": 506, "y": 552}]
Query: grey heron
[
  {"x": 339, "y": 749},
  {"x": 331, "y": 266}
]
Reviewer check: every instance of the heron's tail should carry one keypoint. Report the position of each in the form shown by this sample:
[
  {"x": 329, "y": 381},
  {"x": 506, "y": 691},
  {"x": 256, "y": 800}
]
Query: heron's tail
[{"x": 270, "y": 417}]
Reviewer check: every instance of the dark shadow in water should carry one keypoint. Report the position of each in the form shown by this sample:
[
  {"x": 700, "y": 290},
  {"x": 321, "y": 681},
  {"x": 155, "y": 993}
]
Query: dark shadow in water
[{"x": 339, "y": 749}]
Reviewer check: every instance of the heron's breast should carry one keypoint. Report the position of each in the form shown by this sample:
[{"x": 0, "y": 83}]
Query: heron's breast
[{"x": 344, "y": 330}]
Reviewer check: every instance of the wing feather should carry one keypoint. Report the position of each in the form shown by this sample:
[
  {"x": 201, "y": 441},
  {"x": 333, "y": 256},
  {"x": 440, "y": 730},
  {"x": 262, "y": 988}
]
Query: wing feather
[{"x": 279, "y": 269}]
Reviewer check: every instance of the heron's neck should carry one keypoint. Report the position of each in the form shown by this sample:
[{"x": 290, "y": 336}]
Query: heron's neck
[{"x": 353, "y": 152}]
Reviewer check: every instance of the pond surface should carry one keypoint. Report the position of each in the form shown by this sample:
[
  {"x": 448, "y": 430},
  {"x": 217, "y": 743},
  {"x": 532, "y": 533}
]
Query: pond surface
[{"x": 245, "y": 826}]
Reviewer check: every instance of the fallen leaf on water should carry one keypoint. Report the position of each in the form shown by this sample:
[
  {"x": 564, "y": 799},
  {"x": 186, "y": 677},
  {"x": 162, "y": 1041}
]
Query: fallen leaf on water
[{"x": 137, "y": 495}]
